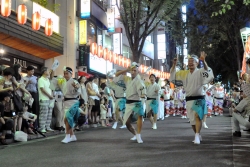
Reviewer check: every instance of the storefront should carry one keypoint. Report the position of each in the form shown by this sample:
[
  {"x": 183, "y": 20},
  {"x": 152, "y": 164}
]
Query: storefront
[
  {"x": 22, "y": 42},
  {"x": 8, "y": 59}
]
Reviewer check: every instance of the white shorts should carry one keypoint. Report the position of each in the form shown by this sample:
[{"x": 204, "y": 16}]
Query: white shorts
[
  {"x": 190, "y": 112},
  {"x": 218, "y": 103},
  {"x": 167, "y": 105}
]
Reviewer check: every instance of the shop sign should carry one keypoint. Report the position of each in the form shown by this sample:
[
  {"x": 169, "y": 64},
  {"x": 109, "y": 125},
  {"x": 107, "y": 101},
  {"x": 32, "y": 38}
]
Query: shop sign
[
  {"x": 83, "y": 32},
  {"x": 111, "y": 19},
  {"x": 117, "y": 43},
  {"x": 85, "y": 9}
]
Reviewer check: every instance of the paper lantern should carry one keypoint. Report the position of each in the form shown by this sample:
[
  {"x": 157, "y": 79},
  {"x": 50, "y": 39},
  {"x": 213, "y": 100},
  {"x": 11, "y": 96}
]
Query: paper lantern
[
  {"x": 5, "y": 8},
  {"x": 105, "y": 53},
  {"x": 110, "y": 56},
  {"x": 115, "y": 58},
  {"x": 142, "y": 68},
  {"x": 100, "y": 51},
  {"x": 93, "y": 48},
  {"x": 49, "y": 27},
  {"x": 120, "y": 60},
  {"x": 36, "y": 21},
  {"x": 128, "y": 62},
  {"x": 125, "y": 63},
  {"x": 22, "y": 14}
]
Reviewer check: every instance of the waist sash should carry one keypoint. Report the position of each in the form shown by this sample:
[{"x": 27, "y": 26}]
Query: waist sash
[{"x": 189, "y": 98}]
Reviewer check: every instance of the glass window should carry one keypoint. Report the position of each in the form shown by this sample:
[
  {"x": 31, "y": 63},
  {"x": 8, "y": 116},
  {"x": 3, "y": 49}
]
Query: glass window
[
  {"x": 161, "y": 38},
  {"x": 91, "y": 32},
  {"x": 162, "y": 54},
  {"x": 108, "y": 42},
  {"x": 161, "y": 46}
]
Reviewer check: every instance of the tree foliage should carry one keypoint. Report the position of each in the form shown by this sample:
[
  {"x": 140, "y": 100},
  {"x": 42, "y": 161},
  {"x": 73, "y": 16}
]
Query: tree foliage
[
  {"x": 218, "y": 36},
  {"x": 141, "y": 17},
  {"x": 50, "y": 6}
]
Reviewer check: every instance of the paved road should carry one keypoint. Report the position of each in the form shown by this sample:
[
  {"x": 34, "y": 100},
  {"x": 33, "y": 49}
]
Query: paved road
[{"x": 170, "y": 145}]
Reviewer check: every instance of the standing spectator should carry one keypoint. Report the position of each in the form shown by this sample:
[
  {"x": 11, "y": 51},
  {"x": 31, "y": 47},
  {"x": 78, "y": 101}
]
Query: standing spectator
[
  {"x": 107, "y": 92},
  {"x": 58, "y": 107},
  {"x": 83, "y": 94},
  {"x": 31, "y": 85},
  {"x": 45, "y": 100}
]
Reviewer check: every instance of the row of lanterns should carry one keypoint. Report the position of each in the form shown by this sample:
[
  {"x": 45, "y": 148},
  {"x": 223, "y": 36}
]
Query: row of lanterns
[
  {"x": 112, "y": 57},
  {"x": 22, "y": 17}
]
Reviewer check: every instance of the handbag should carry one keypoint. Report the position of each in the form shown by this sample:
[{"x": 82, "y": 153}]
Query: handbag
[{"x": 18, "y": 104}]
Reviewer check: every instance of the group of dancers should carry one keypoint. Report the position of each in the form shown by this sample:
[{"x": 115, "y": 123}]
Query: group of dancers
[{"x": 134, "y": 97}]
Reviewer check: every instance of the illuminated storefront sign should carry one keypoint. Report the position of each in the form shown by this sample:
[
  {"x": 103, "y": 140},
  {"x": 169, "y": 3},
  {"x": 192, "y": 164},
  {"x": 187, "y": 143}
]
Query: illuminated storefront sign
[
  {"x": 82, "y": 32},
  {"x": 117, "y": 43},
  {"x": 85, "y": 9},
  {"x": 111, "y": 19}
]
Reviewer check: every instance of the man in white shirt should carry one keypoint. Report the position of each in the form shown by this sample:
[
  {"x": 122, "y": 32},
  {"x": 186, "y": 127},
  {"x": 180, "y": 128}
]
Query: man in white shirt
[
  {"x": 152, "y": 100},
  {"x": 45, "y": 101},
  {"x": 135, "y": 94},
  {"x": 193, "y": 81}
]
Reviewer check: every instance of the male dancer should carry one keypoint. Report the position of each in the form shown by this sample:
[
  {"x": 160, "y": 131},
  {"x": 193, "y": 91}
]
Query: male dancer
[
  {"x": 152, "y": 100},
  {"x": 218, "y": 99},
  {"x": 71, "y": 91},
  {"x": 119, "y": 88},
  {"x": 193, "y": 81},
  {"x": 135, "y": 94}
]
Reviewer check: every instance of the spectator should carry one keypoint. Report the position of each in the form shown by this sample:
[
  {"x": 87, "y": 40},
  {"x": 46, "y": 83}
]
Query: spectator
[
  {"x": 83, "y": 94},
  {"x": 6, "y": 117},
  {"x": 29, "y": 120},
  {"x": 45, "y": 100},
  {"x": 241, "y": 111},
  {"x": 103, "y": 113},
  {"x": 31, "y": 85},
  {"x": 7, "y": 84}
]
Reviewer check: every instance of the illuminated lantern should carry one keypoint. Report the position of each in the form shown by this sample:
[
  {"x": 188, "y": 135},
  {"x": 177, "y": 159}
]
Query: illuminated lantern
[
  {"x": 128, "y": 62},
  {"x": 93, "y": 48},
  {"x": 22, "y": 14},
  {"x": 49, "y": 27},
  {"x": 115, "y": 58},
  {"x": 125, "y": 62},
  {"x": 142, "y": 68},
  {"x": 110, "y": 56},
  {"x": 100, "y": 51},
  {"x": 119, "y": 60},
  {"x": 168, "y": 75},
  {"x": 5, "y": 8},
  {"x": 36, "y": 21},
  {"x": 105, "y": 53}
]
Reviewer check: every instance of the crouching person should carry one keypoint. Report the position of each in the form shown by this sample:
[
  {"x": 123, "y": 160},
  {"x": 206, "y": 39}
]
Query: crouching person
[
  {"x": 240, "y": 113},
  {"x": 29, "y": 122}
]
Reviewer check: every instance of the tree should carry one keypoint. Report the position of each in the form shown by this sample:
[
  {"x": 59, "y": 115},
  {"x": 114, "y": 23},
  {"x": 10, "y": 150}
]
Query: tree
[
  {"x": 141, "y": 17},
  {"x": 218, "y": 36},
  {"x": 51, "y": 6}
]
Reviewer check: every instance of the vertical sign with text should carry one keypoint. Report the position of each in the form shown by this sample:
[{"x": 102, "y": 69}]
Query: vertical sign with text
[
  {"x": 82, "y": 32},
  {"x": 85, "y": 9},
  {"x": 111, "y": 19}
]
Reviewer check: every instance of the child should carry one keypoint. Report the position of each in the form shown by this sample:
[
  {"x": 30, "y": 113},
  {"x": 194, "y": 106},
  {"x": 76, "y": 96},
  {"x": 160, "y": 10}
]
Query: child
[
  {"x": 83, "y": 110},
  {"x": 29, "y": 120},
  {"x": 103, "y": 112},
  {"x": 108, "y": 115}
]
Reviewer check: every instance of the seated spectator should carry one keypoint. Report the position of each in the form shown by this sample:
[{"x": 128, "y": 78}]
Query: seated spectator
[
  {"x": 83, "y": 109},
  {"x": 6, "y": 120},
  {"x": 29, "y": 120},
  {"x": 241, "y": 111}
]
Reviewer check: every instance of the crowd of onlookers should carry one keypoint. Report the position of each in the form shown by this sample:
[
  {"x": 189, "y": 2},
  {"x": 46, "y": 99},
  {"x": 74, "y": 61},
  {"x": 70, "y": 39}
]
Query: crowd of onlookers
[{"x": 34, "y": 104}]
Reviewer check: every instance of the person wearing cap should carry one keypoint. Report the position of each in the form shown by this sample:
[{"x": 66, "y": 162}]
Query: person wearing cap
[
  {"x": 167, "y": 94},
  {"x": 71, "y": 90},
  {"x": 31, "y": 85},
  {"x": 135, "y": 97},
  {"x": 119, "y": 88},
  {"x": 193, "y": 81},
  {"x": 218, "y": 99},
  {"x": 152, "y": 100},
  {"x": 45, "y": 101}
]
